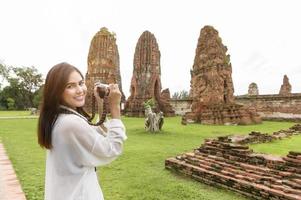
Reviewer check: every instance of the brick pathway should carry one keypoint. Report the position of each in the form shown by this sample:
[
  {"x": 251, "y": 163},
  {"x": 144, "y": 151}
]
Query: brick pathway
[{"x": 10, "y": 188}]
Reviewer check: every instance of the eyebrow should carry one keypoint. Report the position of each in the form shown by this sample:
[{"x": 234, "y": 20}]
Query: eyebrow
[{"x": 71, "y": 83}]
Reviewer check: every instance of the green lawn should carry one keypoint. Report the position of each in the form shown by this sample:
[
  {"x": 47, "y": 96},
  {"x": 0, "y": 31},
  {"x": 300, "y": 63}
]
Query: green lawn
[
  {"x": 279, "y": 147},
  {"x": 14, "y": 113},
  {"x": 139, "y": 173}
]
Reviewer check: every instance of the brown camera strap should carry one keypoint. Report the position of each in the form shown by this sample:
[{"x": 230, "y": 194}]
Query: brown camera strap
[{"x": 103, "y": 116}]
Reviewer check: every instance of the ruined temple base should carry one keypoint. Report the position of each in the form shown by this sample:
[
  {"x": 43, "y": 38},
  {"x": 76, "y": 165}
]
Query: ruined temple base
[
  {"x": 223, "y": 114},
  {"x": 221, "y": 163}
]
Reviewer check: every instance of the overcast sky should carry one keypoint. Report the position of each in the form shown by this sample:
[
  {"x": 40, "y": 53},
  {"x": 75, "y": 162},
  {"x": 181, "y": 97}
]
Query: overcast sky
[{"x": 263, "y": 36}]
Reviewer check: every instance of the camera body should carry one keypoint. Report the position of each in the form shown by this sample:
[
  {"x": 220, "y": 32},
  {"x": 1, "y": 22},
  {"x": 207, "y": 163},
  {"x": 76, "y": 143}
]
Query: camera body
[{"x": 102, "y": 89}]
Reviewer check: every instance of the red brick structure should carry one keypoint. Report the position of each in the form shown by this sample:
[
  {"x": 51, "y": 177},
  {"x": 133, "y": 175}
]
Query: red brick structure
[
  {"x": 146, "y": 79},
  {"x": 103, "y": 62},
  {"x": 10, "y": 187},
  {"x": 286, "y": 87},
  {"x": 222, "y": 163},
  {"x": 274, "y": 106},
  {"x": 212, "y": 87}
]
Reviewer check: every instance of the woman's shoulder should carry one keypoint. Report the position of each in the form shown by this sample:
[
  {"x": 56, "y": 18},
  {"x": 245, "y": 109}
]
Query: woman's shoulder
[
  {"x": 69, "y": 117},
  {"x": 69, "y": 121}
]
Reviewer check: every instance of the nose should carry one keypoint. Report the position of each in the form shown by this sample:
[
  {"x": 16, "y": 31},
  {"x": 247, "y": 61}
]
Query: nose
[{"x": 79, "y": 89}]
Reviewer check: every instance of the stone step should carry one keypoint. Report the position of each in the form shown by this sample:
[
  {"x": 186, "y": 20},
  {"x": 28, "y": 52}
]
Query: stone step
[
  {"x": 254, "y": 190},
  {"x": 264, "y": 178},
  {"x": 287, "y": 164},
  {"x": 250, "y": 175},
  {"x": 290, "y": 173}
]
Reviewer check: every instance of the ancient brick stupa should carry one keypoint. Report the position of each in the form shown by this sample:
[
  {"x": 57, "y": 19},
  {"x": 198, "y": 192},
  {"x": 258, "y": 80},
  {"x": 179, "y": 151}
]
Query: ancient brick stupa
[
  {"x": 253, "y": 89},
  {"x": 212, "y": 87},
  {"x": 286, "y": 87},
  {"x": 103, "y": 62},
  {"x": 146, "y": 81}
]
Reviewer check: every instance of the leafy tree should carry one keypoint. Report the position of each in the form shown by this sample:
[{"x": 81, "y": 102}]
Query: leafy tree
[
  {"x": 183, "y": 94},
  {"x": 24, "y": 83},
  {"x": 29, "y": 81},
  {"x": 12, "y": 91},
  {"x": 176, "y": 95},
  {"x": 38, "y": 97},
  {"x": 4, "y": 72},
  {"x": 3, "y": 103},
  {"x": 10, "y": 103}
]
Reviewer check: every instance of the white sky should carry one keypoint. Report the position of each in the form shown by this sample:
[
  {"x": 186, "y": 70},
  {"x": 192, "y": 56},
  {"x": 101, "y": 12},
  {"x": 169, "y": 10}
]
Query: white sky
[{"x": 263, "y": 36}]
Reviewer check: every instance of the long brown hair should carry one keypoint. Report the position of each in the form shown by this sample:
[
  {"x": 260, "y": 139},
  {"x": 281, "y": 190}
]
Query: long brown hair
[{"x": 54, "y": 87}]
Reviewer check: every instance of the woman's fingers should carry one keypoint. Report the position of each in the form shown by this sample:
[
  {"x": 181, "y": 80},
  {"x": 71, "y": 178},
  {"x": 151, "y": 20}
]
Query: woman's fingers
[
  {"x": 114, "y": 89},
  {"x": 115, "y": 94}
]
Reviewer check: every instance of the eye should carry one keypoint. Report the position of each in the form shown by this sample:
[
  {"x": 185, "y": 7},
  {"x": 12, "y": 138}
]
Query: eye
[
  {"x": 69, "y": 86},
  {"x": 81, "y": 83}
]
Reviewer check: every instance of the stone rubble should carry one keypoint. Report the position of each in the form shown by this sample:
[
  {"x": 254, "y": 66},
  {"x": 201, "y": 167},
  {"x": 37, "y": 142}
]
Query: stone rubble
[{"x": 222, "y": 163}]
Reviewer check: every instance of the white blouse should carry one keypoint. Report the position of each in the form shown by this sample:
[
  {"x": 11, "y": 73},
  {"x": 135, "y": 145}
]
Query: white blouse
[{"x": 77, "y": 148}]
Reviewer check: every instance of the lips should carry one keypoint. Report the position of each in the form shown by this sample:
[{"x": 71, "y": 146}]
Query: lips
[{"x": 79, "y": 98}]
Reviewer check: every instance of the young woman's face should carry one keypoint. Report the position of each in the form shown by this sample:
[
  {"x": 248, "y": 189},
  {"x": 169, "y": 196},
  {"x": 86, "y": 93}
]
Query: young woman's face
[{"x": 75, "y": 91}]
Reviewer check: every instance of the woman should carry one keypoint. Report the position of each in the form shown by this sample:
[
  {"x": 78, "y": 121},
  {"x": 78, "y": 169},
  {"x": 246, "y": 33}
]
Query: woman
[{"x": 74, "y": 147}]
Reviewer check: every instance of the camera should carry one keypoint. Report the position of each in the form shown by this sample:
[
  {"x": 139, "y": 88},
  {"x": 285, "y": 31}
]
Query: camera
[{"x": 102, "y": 89}]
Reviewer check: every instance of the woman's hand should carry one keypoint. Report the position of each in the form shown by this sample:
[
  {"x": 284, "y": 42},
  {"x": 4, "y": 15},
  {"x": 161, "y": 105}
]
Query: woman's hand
[
  {"x": 114, "y": 101},
  {"x": 98, "y": 99}
]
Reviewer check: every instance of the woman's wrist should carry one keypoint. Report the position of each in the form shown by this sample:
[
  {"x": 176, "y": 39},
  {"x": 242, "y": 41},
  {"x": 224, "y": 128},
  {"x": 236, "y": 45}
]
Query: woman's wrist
[{"x": 115, "y": 112}]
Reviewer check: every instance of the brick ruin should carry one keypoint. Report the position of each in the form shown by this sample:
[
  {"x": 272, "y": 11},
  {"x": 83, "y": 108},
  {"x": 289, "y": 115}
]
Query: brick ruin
[
  {"x": 285, "y": 106},
  {"x": 181, "y": 106},
  {"x": 286, "y": 87},
  {"x": 103, "y": 62},
  {"x": 223, "y": 163},
  {"x": 146, "y": 79},
  {"x": 253, "y": 89},
  {"x": 273, "y": 106},
  {"x": 212, "y": 87},
  {"x": 258, "y": 137}
]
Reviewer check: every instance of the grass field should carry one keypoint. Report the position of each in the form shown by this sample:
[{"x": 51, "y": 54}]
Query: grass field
[
  {"x": 279, "y": 147},
  {"x": 14, "y": 113},
  {"x": 139, "y": 173}
]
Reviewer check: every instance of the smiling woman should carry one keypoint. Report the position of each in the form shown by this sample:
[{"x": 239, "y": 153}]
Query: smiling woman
[{"x": 74, "y": 147}]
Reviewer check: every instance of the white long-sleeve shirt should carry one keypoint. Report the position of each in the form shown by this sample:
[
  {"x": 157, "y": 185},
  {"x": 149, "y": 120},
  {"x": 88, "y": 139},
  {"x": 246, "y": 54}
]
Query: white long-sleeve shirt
[{"x": 77, "y": 149}]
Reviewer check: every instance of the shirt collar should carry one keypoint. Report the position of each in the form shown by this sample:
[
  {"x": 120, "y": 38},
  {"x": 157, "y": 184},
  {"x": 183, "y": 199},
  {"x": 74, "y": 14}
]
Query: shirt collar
[{"x": 73, "y": 111}]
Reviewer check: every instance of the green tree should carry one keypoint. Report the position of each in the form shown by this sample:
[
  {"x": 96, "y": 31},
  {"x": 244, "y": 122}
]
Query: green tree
[
  {"x": 4, "y": 72},
  {"x": 176, "y": 95},
  {"x": 183, "y": 94},
  {"x": 12, "y": 91},
  {"x": 38, "y": 97},
  {"x": 28, "y": 82},
  {"x": 23, "y": 85},
  {"x": 10, "y": 103}
]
